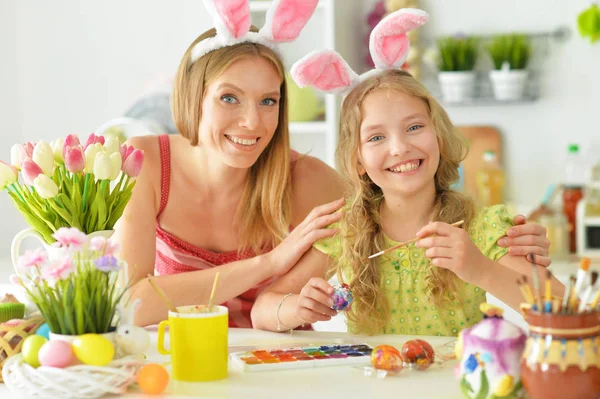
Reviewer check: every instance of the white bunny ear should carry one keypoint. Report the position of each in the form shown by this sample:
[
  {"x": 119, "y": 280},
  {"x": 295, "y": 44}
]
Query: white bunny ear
[
  {"x": 324, "y": 70},
  {"x": 388, "y": 43},
  {"x": 286, "y": 18},
  {"x": 231, "y": 17}
]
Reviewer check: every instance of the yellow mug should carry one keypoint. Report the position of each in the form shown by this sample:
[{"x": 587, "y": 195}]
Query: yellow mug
[{"x": 198, "y": 343}]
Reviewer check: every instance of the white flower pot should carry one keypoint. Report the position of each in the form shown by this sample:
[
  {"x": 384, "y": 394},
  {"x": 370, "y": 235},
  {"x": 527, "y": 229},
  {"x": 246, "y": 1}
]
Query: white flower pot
[
  {"x": 457, "y": 86},
  {"x": 70, "y": 338},
  {"x": 508, "y": 85}
]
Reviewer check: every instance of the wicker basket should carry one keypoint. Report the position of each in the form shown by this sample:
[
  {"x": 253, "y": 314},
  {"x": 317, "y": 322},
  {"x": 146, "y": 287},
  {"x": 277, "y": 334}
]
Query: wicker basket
[
  {"x": 75, "y": 382},
  {"x": 11, "y": 339}
]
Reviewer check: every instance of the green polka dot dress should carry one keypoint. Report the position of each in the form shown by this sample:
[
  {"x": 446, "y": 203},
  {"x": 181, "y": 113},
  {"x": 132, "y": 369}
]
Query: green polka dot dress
[{"x": 403, "y": 280}]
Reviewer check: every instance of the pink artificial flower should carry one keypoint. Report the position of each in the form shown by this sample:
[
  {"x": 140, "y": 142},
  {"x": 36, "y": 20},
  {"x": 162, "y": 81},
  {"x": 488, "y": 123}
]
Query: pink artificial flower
[
  {"x": 30, "y": 170},
  {"x": 97, "y": 243},
  {"x": 28, "y": 147},
  {"x": 74, "y": 159},
  {"x": 133, "y": 165},
  {"x": 16, "y": 280},
  {"x": 59, "y": 269},
  {"x": 70, "y": 237},
  {"x": 71, "y": 141},
  {"x": 125, "y": 151},
  {"x": 101, "y": 244},
  {"x": 93, "y": 139},
  {"x": 33, "y": 258}
]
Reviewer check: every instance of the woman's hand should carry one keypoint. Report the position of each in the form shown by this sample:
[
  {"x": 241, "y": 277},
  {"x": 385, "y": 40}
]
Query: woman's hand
[
  {"x": 315, "y": 301},
  {"x": 527, "y": 238},
  {"x": 451, "y": 248},
  {"x": 283, "y": 257}
]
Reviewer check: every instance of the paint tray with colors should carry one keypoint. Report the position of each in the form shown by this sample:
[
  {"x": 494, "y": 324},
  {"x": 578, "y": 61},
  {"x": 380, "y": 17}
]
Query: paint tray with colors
[{"x": 303, "y": 357}]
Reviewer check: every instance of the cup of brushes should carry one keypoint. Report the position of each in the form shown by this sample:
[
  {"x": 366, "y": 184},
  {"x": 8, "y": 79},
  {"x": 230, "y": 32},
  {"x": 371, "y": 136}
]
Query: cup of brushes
[{"x": 562, "y": 357}]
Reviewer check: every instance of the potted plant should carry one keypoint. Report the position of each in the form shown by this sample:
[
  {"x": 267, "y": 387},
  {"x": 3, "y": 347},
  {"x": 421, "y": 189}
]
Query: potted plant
[
  {"x": 456, "y": 63},
  {"x": 510, "y": 55}
]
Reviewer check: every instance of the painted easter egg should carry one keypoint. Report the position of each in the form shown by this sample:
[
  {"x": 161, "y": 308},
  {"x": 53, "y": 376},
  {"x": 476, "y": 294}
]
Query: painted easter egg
[
  {"x": 342, "y": 297},
  {"x": 153, "y": 379},
  {"x": 44, "y": 331},
  {"x": 56, "y": 354},
  {"x": 386, "y": 357},
  {"x": 94, "y": 349},
  {"x": 31, "y": 348},
  {"x": 418, "y": 353}
]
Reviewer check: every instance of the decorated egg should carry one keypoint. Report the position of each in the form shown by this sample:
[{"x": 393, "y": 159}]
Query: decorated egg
[
  {"x": 94, "y": 349},
  {"x": 386, "y": 357},
  {"x": 418, "y": 353},
  {"x": 153, "y": 379},
  {"x": 31, "y": 348},
  {"x": 342, "y": 297},
  {"x": 44, "y": 331},
  {"x": 56, "y": 354}
]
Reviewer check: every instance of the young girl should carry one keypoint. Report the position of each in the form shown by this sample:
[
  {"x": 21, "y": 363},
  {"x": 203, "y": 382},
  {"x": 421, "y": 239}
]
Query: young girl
[{"x": 400, "y": 153}]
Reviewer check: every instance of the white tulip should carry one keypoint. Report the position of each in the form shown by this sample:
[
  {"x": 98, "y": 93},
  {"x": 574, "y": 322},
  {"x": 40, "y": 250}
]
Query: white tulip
[
  {"x": 45, "y": 186},
  {"x": 102, "y": 166},
  {"x": 115, "y": 160},
  {"x": 16, "y": 155},
  {"x": 90, "y": 156},
  {"x": 111, "y": 144},
  {"x": 8, "y": 175},
  {"x": 44, "y": 157},
  {"x": 57, "y": 148}
]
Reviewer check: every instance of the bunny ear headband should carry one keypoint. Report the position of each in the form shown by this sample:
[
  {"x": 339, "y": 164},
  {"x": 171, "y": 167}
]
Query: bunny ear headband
[
  {"x": 284, "y": 22},
  {"x": 327, "y": 71}
]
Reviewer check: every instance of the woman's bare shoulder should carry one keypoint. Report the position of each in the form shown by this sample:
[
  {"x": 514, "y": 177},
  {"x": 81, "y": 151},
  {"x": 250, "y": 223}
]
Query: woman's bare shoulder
[{"x": 314, "y": 183}]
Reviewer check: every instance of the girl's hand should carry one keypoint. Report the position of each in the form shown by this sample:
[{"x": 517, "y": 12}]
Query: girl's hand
[
  {"x": 451, "y": 248},
  {"x": 315, "y": 301},
  {"x": 526, "y": 238},
  {"x": 283, "y": 257}
]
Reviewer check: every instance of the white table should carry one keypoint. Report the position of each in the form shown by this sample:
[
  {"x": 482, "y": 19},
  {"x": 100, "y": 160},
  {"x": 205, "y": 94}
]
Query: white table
[{"x": 323, "y": 382}]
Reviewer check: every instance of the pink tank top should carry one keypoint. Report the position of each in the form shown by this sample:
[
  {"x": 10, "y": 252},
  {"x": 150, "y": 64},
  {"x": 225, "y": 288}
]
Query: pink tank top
[{"x": 174, "y": 255}]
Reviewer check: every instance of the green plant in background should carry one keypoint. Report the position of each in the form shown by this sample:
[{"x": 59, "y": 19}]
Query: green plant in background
[
  {"x": 588, "y": 23},
  {"x": 457, "y": 53},
  {"x": 513, "y": 48}
]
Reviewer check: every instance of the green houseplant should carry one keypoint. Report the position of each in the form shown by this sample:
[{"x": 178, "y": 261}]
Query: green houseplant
[
  {"x": 510, "y": 55},
  {"x": 456, "y": 63}
]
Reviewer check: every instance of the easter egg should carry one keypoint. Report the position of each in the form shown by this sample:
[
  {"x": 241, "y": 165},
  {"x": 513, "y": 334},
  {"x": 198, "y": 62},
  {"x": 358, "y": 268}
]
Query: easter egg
[
  {"x": 31, "y": 348},
  {"x": 418, "y": 353},
  {"x": 56, "y": 354},
  {"x": 153, "y": 379},
  {"x": 43, "y": 331},
  {"x": 94, "y": 349},
  {"x": 342, "y": 297},
  {"x": 386, "y": 357}
]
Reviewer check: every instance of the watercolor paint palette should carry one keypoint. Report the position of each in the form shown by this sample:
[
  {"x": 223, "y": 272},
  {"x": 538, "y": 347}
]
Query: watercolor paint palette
[{"x": 303, "y": 357}]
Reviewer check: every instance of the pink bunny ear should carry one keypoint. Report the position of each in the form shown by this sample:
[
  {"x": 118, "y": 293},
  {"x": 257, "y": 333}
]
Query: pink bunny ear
[
  {"x": 388, "y": 43},
  {"x": 231, "y": 17},
  {"x": 325, "y": 70},
  {"x": 286, "y": 18}
]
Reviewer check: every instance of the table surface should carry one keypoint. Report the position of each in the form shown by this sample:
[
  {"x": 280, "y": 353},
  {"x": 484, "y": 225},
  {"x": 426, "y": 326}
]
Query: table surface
[{"x": 324, "y": 382}]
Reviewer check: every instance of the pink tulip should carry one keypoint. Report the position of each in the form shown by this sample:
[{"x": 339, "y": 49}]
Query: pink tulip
[
  {"x": 74, "y": 159},
  {"x": 133, "y": 164},
  {"x": 125, "y": 151},
  {"x": 70, "y": 237},
  {"x": 28, "y": 147},
  {"x": 30, "y": 171},
  {"x": 71, "y": 141},
  {"x": 93, "y": 139}
]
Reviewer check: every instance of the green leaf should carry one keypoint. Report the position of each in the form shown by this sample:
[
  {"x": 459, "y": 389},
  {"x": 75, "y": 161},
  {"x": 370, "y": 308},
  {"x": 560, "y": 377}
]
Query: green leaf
[
  {"x": 465, "y": 387},
  {"x": 484, "y": 387}
]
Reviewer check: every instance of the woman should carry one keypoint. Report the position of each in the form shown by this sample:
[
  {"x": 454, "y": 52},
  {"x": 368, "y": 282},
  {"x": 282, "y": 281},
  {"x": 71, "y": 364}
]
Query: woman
[{"x": 223, "y": 196}]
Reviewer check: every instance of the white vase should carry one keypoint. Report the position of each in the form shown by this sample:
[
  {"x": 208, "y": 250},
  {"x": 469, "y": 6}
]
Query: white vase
[
  {"x": 53, "y": 252},
  {"x": 508, "y": 84},
  {"x": 457, "y": 86},
  {"x": 71, "y": 338}
]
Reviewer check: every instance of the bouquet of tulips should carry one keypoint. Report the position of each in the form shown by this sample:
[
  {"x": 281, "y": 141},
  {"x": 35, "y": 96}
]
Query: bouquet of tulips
[
  {"x": 77, "y": 293},
  {"x": 69, "y": 184}
]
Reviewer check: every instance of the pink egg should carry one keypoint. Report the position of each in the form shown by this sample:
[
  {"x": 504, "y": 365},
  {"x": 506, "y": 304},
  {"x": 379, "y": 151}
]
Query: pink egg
[{"x": 56, "y": 354}]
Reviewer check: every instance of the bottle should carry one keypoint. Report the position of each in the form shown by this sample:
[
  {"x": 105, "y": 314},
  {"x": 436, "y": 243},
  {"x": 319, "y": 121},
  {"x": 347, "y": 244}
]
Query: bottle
[
  {"x": 490, "y": 181},
  {"x": 572, "y": 191}
]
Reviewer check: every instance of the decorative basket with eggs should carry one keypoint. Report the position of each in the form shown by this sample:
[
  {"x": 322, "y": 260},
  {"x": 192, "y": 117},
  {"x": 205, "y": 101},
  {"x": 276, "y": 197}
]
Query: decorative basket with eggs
[{"x": 12, "y": 335}]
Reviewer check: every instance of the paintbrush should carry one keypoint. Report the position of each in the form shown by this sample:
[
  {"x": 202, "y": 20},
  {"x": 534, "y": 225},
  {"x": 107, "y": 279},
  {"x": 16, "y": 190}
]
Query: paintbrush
[
  {"x": 402, "y": 244},
  {"x": 524, "y": 291},
  {"x": 582, "y": 274},
  {"x": 548, "y": 293},
  {"x": 162, "y": 295},
  {"x": 536, "y": 283},
  {"x": 529, "y": 292},
  {"x": 213, "y": 292},
  {"x": 570, "y": 287},
  {"x": 587, "y": 294}
]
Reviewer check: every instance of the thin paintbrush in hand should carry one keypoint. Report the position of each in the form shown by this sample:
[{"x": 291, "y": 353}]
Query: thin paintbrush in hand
[{"x": 162, "y": 295}]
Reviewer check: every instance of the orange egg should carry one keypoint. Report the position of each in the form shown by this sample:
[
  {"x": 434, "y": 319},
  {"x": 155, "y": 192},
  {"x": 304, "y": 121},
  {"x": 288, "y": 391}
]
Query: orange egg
[{"x": 153, "y": 379}]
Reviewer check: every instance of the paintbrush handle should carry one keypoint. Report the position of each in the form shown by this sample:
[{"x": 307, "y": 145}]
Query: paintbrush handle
[
  {"x": 402, "y": 244},
  {"x": 162, "y": 295}
]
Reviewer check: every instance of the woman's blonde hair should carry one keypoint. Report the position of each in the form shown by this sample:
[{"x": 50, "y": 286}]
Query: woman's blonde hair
[
  {"x": 263, "y": 214},
  {"x": 361, "y": 225}
]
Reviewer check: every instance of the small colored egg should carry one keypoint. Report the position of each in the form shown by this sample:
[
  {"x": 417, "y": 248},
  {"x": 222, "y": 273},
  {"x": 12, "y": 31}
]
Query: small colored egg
[
  {"x": 31, "y": 348},
  {"x": 342, "y": 297},
  {"x": 418, "y": 353},
  {"x": 153, "y": 379},
  {"x": 44, "y": 331},
  {"x": 386, "y": 357},
  {"x": 56, "y": 354},
  {"x": 94, "y": 349}
]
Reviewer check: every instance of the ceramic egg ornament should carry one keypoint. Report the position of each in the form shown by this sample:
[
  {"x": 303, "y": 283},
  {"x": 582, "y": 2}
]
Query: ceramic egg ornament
[
  {"x": 386, "y": 357},
  {"x": 417, "y": 353},
  {"x": 342, "y": 297},
  {"x": 153, "y": 379},
  {"x": 44, "y": 331},
  {"x": 94, "y": 349},
  {"x": 57, "y": 354},
  {"x": 31, "y": 348}
]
